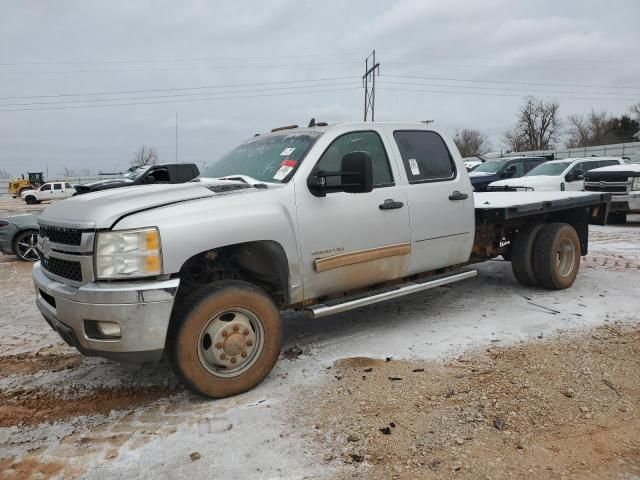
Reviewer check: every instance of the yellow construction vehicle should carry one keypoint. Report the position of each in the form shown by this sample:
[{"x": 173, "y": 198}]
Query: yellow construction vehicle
[{"x": 16, "y": 187}]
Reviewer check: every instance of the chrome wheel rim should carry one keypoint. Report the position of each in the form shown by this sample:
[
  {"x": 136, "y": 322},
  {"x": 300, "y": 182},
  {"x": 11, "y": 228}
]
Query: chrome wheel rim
[
  {"x": 26, "y": 247},
  {"x": 231, "y": 342},
  {"x": 565, "y": 257}
]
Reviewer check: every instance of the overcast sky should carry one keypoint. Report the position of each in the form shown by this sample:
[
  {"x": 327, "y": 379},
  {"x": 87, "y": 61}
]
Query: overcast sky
[{"x": 285, "y": 61}]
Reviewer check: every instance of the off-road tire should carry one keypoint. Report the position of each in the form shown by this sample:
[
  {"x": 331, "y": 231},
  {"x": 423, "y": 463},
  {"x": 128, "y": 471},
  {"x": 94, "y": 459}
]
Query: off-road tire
[
  {"x": 522, "y": 254},
  {"x": 194, "y": 314},
  {"x": 556, "y": 256},
  {"x": 31, "y": 200}
]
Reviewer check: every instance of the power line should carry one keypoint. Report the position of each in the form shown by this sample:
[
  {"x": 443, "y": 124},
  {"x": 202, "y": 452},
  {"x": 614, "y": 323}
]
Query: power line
[
  {"x": 511, "y": 82},
  {"x": 185, "y": 100},
  {"x": 501, "y": 94},
  {"x": 201, "y": 87},
  {"x": 174, "y": 95},
  {"x": 504, "y": 89}
]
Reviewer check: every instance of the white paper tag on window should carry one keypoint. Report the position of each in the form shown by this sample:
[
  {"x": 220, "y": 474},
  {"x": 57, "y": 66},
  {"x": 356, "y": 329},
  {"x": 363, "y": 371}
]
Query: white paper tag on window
[
  {"x": 287, "y": 151},
  {"x": 413, "y": 165}
]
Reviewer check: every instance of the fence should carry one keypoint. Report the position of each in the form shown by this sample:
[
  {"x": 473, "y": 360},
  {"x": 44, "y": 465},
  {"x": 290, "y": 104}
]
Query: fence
[
  {"x": 614, "y": 150},
  {"x": 4, "y": 183}
]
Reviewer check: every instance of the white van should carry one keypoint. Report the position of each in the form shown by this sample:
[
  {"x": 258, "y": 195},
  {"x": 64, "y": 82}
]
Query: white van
[{"x": 565, "y": 174}]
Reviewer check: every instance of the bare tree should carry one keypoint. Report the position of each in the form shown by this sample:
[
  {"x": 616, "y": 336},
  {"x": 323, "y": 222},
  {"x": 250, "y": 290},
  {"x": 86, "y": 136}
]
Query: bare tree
[
  {"x": 68, "y": 172},
  {"x": 145, "y": 156},
  {"x": 471, "y": 142},
  {"x": 4, "y": 174},
  {"x": 598, "y": 128},
  {"x": 537, "y": 127}
]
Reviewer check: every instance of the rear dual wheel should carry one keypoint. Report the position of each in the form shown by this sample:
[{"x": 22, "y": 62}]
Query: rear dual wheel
[
  {"x": 547, "y": 255},
  {"x": 226, "y": 338}
]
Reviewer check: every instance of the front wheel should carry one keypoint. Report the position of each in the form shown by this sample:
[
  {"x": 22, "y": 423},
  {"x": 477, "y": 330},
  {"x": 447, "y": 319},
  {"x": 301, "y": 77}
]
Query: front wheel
[
  {"x": 226, "y": 338},
  {"x": 25, "y": 245},
  {"x": 31, "y": 200}
]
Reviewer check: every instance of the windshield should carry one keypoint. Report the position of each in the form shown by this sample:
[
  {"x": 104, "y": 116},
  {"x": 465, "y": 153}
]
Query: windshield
[
  {"x": 133, "y": 174},
  {"x": 489, "y": 167},
  {"x": 635, "y": 158},
  {"x": 269, "y": 159},
  {"x": 548, "y": 169}
]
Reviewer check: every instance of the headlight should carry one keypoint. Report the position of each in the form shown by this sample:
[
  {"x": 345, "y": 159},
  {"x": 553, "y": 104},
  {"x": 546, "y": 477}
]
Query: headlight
[
  {"x": 636, "y": 184},
  {"x": 128, "y": 254}
]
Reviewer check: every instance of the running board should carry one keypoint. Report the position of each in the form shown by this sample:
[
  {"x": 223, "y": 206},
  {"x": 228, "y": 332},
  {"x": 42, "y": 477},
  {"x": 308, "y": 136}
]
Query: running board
[{"x": 343, "y": 305}]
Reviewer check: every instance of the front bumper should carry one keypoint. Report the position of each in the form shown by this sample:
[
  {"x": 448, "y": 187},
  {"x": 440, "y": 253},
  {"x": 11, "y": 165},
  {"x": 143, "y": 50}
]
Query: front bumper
[
  {"x": 629, "y": 202},
  {"x": 141, "y": 309}
]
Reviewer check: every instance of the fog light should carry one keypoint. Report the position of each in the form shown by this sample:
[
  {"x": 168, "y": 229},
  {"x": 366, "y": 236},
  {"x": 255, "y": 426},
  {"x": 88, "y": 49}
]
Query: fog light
[
  {"x": 109, "y": 329},
  {"x": 98, "y": 330}
]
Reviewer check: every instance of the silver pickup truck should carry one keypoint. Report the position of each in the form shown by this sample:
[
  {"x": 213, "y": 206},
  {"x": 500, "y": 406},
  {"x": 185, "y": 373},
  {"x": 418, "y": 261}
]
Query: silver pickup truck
[{"x": 322, "y": 219}]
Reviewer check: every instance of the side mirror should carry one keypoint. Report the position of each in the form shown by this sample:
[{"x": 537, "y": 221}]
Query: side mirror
[
  {"x": 356, "y": 176},
  {"x": 149, "y": 179}
]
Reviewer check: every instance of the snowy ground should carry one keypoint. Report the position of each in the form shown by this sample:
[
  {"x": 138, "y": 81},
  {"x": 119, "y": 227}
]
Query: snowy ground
[{"x": 155, "y": 432}]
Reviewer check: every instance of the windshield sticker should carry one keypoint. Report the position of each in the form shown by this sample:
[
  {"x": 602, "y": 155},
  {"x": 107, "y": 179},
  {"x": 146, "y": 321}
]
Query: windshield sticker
[
  {"x": 285, "y": 169},
  {"x": 413, "y": 165},
  {"x": 287, "y": 151}
]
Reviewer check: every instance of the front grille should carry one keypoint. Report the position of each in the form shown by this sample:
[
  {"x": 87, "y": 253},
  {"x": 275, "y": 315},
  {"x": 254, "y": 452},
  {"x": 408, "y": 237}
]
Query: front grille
[
  {"x": 65, "y": 236},
  {"x": 604, "y": 177},
  {"x": 590, "y": 188},
  {"x": 62, "y": 268}
]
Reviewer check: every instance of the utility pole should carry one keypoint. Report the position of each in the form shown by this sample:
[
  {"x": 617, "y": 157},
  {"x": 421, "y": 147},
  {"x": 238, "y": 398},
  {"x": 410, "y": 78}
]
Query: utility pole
[
  {"x": 176, "y": 138},
  {"x": 370, "y": 76}
]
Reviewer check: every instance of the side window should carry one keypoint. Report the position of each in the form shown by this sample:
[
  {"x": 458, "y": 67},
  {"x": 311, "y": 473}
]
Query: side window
[
  {"x": 607, "y": 163},
  {"x": 369, "y": 142},
  {"x": 582, "y": 166},
  {"x": 161, "y": 175},
  {"x": 67, "y": 185},
  {"x": 57, "y": 186},
  {"x": 425, "y": 156},
  {"x": 517, "y": 168},
  {"x": 184, "y": 173},
  {"x": 46, "y": 187}
]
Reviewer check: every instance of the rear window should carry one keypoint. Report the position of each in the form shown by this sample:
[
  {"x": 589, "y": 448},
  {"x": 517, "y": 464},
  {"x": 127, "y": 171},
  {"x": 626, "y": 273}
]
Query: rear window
[{"x": 425, "y": 156}]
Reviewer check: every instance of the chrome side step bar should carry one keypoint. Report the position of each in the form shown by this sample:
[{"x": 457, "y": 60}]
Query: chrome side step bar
[{"x": 322, "y": 310}]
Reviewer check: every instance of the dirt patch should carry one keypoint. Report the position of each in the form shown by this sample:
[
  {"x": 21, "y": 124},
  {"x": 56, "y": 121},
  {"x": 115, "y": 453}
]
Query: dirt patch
[
  {"x": 29, "y": 468},
  {"x": 26, "y": 363},
  {"x": 31, "y": 407},
  {"x": 562, "y": 409}
]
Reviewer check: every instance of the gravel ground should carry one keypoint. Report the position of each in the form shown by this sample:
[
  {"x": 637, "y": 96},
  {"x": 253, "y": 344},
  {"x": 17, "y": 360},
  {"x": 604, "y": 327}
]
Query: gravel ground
[{"x": 66, "y": 416}]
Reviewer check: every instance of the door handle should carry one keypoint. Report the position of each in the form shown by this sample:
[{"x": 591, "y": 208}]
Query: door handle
[
  {"x": 458, "y": 196},
  {"x": 390, "y": 204}
]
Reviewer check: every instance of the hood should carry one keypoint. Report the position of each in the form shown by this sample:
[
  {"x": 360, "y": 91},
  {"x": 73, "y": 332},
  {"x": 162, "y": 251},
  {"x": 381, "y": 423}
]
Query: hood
[
  {"x": 103, "y": 184},
  {"x": 622, "y": 171},
  {"x": 526, "y": 181},
  {"x": 102, "y": 209}
]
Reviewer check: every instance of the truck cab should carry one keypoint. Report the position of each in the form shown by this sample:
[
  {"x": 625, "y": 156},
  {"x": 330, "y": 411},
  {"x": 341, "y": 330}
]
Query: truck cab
[{"x": 503, "y": 168}]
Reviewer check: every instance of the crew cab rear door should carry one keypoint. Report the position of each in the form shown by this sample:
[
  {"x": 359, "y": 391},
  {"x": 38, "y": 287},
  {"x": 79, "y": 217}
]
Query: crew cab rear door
[
  {"x": 352, "y": 240},
  {"x": 440, "y": 199}
]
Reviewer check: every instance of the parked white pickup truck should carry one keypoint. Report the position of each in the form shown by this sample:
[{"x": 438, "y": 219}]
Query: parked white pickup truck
[
  {"x": 48, "y": 191},
  {"x": 322, "y": 219}
]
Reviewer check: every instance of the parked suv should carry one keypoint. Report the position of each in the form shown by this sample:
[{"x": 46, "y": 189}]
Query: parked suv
[
  {"x": 623, "y": 181},
  {"x": 146, "y": 175},
  {"x": 492, "y": 170},
  {"x": 566, "y": 174}
]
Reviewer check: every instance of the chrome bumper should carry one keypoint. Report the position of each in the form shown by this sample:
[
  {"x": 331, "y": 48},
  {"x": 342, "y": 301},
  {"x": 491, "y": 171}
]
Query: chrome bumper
[
  {"x": 141, "y": 309},
  {"x": 629, "y": 202}
]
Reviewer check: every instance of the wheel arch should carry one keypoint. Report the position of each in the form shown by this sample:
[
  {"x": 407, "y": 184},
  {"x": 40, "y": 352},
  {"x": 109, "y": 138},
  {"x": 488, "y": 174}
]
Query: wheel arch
[{"x": 263, "y": 263}]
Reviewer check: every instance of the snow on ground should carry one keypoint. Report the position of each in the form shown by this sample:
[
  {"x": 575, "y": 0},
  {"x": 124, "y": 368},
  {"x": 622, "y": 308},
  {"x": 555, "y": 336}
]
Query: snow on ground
[{"x": 253, "y": 434}]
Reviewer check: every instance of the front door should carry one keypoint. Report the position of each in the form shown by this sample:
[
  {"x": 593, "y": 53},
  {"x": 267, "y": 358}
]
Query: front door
[
  {"x": 441, "y": 207},
  {"x": 350, "y": 240}
]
